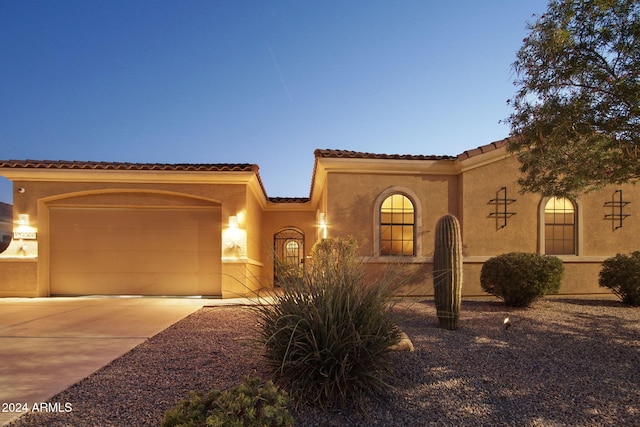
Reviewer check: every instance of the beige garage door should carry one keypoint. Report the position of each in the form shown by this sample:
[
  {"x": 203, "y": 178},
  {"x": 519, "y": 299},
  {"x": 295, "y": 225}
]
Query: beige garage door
[{"x": 135, "y": 251}]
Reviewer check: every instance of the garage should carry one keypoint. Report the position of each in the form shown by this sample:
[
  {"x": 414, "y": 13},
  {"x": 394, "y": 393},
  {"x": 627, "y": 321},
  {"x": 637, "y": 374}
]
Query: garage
[{"x": 135, "y": 250}]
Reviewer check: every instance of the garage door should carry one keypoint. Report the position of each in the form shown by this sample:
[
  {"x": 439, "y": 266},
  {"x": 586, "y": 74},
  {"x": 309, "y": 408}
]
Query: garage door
[{"x": 135, "y": 251}]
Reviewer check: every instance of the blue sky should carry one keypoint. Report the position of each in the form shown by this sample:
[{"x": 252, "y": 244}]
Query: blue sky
[{"x": 263, "y": 82}]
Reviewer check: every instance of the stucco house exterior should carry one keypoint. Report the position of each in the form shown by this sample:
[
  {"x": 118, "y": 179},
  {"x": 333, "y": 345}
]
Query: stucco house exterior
[{"x": 85, "y": 228}]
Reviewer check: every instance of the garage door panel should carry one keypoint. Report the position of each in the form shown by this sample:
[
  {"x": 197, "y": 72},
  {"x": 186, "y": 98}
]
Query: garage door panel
[
  {"x": 143, "y": 284},
  {"x": 135, "y": 251},
  {"x": 117, "y": 238},
  {"x": 103, "y": 239},
  {"x": 160, "y": 262},
  {"x": 170, "y": 261}
]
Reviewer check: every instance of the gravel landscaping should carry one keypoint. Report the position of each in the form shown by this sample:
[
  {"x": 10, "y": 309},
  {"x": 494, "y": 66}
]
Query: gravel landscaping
[{"x": 563, "y": 362}]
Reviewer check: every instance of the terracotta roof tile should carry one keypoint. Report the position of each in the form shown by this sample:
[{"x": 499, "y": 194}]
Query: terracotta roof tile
[
  {"x": 187, "y": 167},
  {"x": 289, "y": 199},
  {"x": 483, "y": 149},
  {"x": 346, "y": 154}
]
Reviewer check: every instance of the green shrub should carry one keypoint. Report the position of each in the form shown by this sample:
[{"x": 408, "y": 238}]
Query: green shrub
[
  {"x": 621, "y": 274},
  {"x": 249, "y": 404},
  {"x": 521, "y": 278},
  {"x": 326, "y": 335}
]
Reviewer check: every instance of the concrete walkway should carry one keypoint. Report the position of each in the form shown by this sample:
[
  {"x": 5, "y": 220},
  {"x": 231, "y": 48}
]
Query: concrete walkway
[{"x": 49, "y": 344}]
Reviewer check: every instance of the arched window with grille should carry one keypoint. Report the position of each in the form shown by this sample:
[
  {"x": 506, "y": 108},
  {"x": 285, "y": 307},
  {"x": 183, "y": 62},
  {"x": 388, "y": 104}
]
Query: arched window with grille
[
  {"x": 560, "y": 227},
  {"x": 397, "y": 226},
  {"x": 292, "y": 252}
]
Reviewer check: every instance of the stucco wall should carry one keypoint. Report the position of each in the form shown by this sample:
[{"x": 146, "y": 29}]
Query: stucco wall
[
  {"x": 580, "y": 277},
  {"x": 351, "y": 205},
  {"x": 352, "y": 199},
  {"x": 482, "y": 232},
  {"x": 253, "y": 225},
  {"x": 598, "y": 234},
  {"x": 18, "y": 278}
]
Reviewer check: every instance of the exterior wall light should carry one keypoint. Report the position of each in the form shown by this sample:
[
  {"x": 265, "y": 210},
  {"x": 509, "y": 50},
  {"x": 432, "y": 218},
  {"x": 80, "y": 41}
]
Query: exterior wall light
[
  {"x": 24, "y": 243},
  {"x": 24, "y": 231},
  {"x": 234, "y": 240},
  {"x": 23, "y": 219},
  {"x": 322, "y": 223}
]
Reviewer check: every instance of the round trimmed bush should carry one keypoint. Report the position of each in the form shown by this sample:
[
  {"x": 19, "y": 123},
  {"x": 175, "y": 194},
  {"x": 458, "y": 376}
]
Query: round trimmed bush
[
  {"x": 521, "y": 278},
  {"x": 621, "y": 274}
]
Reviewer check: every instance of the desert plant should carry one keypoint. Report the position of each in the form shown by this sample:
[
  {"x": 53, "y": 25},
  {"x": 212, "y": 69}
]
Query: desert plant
[
  {"x": 249, "y": 404},
  {"x": 521, "y": 278},
  {"x": 326, "y": 335},
  {"x": 447, "y": 271},
  {"x": 621, "y": 274}
]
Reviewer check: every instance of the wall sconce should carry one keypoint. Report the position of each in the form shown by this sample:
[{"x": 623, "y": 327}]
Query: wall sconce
[
  {"x": 23, "y": 219},
  {"x": 24, "y": 231},
  {"x": 322, "y": 223},
  {"x": 24, "y": 243},
  {"x": 234, "y": 240}
]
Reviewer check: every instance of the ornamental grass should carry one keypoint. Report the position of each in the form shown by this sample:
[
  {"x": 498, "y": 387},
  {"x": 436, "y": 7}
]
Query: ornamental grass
[{"x": 326, "y": 336}]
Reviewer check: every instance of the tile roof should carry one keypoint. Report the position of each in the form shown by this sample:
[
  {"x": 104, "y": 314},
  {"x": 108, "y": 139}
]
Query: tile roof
[
  {"x": 188, "y": 167},
  {"x": 239, "y": 167},
  {"x": 289, "y": 199},
  {"x": 346, "y": 154},
  {"x": 483, "y": 149}
]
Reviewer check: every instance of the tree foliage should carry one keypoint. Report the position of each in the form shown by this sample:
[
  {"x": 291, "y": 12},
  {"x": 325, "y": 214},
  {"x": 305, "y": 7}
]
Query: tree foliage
[{"x": 576, "y": 120}]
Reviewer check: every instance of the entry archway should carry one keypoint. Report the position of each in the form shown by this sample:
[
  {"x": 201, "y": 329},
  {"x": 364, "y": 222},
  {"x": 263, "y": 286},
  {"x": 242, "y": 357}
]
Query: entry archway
[{"x": 288, "y": 246}]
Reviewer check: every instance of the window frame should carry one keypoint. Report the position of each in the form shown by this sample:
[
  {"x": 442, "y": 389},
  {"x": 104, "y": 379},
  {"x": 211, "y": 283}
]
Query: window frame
[
  {"x": 292, "y": 252},
  {"x": 577, "y": 228},
  {"x": 377, "y": 221}
]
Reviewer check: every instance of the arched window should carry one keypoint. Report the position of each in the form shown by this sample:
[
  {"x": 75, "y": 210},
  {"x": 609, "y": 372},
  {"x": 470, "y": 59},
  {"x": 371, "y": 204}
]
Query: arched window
[
  {"x": 292, "y": 252},
  {"x": 397, "y": 226},
  {"x": 559, "y": 227}
]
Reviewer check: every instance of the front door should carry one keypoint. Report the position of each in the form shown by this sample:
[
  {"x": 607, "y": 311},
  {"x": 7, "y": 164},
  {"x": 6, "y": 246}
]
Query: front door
[{"x": 288, "y": 245}]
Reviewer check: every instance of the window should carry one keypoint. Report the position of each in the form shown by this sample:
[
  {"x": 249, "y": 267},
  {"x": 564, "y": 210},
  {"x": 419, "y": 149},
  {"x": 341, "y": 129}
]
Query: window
[
  {"x": 292, "y": 253},
  {"x": 397, "y": 225},
  {"x": 559, "y": 227}
]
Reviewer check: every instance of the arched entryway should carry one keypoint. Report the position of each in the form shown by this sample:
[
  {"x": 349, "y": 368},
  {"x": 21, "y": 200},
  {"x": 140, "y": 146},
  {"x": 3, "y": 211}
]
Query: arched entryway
[{"x": 288, "y": 246}]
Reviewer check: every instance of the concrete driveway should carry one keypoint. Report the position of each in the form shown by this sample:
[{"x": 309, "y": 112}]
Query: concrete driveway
[{"x": 49, "y": 344}]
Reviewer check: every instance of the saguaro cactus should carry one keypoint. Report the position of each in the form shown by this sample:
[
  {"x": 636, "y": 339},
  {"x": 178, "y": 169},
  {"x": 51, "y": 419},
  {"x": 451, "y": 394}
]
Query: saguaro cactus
[{"x": 447, "y": 271}]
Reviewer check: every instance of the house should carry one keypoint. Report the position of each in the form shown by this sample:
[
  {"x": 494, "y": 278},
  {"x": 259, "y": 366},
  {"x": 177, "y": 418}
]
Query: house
[{"x": 89, "y": 228}]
